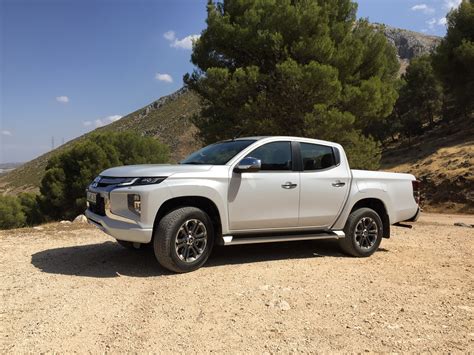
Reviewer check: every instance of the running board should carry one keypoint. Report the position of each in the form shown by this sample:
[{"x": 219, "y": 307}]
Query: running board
[{"x": 230, "y": 240}]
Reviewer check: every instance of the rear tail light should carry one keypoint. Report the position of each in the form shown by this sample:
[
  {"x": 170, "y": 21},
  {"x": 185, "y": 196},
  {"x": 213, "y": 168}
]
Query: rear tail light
[{"x": 416, "y": 191}]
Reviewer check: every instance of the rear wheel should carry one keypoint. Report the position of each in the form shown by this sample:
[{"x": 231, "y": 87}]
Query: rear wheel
[
  {"x": 363, "y": 231},
  {"x": 184, "y": 239}
]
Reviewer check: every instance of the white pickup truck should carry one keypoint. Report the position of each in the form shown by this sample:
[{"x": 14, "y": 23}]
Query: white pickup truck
[{"x": 250, "y": 190}]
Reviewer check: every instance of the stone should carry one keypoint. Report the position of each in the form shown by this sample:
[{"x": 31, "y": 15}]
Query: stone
[
  {"x": 80, "y": 219},
  {"x": 461, "y": 224}
]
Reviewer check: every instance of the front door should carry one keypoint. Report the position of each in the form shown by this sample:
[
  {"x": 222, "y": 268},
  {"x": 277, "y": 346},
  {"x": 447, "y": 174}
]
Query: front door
[{"x": 268, "y": 198}]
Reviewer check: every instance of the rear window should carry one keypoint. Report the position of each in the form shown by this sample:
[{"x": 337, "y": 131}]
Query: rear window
[{"x": 317, "y": 157}]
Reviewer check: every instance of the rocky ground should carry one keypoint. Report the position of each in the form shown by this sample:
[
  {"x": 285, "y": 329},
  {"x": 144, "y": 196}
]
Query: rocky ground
[{"x": 68, "y": 287}]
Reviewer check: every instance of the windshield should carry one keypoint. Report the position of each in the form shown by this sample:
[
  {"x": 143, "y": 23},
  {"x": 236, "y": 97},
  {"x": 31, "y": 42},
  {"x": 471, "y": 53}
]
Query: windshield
[{"x": 218, "y": 153}]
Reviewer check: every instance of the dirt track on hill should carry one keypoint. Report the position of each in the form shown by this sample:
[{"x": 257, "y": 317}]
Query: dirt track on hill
[{"x": 70, "y": 288}]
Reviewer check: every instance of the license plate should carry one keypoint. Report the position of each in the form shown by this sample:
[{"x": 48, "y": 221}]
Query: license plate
[{"x": 91, "y": 197}]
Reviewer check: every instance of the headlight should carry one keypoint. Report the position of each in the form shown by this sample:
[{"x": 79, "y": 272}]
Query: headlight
[
  {"x": 149, "y": 180},
  {"x": 141, "y": 181}
]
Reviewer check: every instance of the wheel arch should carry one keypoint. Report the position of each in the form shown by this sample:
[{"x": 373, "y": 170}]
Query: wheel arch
[
  {"x": 203, "y": 203},
  {"x": 378, "y": 206}
]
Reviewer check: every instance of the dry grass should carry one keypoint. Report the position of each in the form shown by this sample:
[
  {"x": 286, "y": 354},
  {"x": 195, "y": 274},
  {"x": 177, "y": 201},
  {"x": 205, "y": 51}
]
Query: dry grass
[{"x": 444, "y": 160}]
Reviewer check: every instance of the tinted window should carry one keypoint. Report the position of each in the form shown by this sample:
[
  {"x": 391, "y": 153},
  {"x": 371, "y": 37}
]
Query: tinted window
[
  {"x": 316, "y": 157},
  {"x": 274, "y": 156},
  {"x": 219, "y": 153}
]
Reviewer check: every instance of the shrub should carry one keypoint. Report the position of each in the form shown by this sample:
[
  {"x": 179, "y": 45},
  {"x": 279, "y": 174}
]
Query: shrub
[
  {"x": 68, "y": 174},
  {"x": 30, "y": 206},
  {"x": 11, "y": 213}
]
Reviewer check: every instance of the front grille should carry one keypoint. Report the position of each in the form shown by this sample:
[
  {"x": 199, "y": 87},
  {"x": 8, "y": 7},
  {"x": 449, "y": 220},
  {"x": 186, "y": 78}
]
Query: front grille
[
  {"x": 112, "y": 181},
  {"x": 98, "y": 207}
]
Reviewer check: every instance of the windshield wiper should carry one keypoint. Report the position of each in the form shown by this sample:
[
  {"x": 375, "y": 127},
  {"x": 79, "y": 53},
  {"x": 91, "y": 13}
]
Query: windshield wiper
[{"x": 194, "y": 163}]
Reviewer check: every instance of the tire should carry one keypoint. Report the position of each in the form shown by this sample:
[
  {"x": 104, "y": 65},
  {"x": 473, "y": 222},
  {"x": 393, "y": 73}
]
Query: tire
[
  {"x": 131, "y": 245},
  {"x": 183, "y": 240},
  {"x": 363, "y": 231}
]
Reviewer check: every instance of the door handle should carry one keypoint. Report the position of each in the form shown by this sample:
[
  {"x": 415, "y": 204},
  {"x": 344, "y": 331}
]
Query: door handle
[
  {"x": 288, "y": 185},
  {"x": 338, "y": 183}
]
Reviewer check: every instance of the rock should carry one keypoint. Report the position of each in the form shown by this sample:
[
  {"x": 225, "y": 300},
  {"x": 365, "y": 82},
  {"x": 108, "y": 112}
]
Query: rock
[
  {"x": 283, "y": 305},
  {"x": 461, "y": 224},
  {"x": 279, "y": 304},
  {"x": 80, "y": 219},
  {"x": 38, "y": 228},
  {"x": 65, "y": 222}
]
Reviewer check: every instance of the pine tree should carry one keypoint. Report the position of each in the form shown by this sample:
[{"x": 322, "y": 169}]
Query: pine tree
[
  {"x": 454, "y": 60},
  {"x": 422, "y": 95},
  {"x": 293, "y": 67}
]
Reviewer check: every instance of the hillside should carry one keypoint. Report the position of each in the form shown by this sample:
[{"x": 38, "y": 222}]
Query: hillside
[
  {"x": 168, "y": 118},
  {"x": 443, "y": 159}
]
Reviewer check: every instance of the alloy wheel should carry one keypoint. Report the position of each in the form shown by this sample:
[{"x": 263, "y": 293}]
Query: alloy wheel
[
  {"x": 191, "y": 240},
  {"x": 366, "y": 233}
]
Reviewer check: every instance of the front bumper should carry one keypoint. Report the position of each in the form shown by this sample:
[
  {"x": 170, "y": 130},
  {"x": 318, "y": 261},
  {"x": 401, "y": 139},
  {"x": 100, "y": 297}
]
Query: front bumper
[{"x": 121, "y": 229}]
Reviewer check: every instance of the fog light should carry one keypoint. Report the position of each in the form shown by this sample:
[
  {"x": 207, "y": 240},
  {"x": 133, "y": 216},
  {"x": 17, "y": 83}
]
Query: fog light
[{"x": 134, "y": 204}]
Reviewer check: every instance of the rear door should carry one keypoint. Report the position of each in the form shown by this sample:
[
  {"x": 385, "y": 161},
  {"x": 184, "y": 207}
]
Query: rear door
[
  {"x": 324, "y": 186},
  {"x": 268, "y": 198}
]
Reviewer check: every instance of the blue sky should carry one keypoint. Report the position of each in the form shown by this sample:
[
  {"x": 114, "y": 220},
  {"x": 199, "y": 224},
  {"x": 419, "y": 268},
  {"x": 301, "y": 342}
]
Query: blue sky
[{"x": 68, "y": 66}]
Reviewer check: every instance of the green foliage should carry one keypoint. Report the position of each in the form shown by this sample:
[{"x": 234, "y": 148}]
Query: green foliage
[
  {"x": 454, "y": 58},
  {"x": 271, "y": 67},
  {"x": 11, "y": 213},
  {"x": 29, "y": 204},
  {"x": 68, "y": 174},
  {"x": 421, "y": 97}
]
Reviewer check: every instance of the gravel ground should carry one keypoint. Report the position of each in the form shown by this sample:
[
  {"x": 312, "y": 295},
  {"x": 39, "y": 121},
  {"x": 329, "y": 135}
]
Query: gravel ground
[{"x": 70, "y": 288}]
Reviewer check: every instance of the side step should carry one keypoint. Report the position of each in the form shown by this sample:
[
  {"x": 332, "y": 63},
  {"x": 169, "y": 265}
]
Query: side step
[{"x": 231, "y": 240}]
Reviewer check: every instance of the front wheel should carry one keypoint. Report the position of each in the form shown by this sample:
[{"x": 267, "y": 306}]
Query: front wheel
[
  {"x": 184, "y": 239},
  {"x": 363, "y": 231}
]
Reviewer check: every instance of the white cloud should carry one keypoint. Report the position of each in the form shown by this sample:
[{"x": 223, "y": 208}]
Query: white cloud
[
  {"x": 442, "y": 21},
  {"x": 186, "y": 42},
  {"x": 451, "y": 4},
  {"x": 102, "y": 121},
  {"x": 113, "y": 118},
  {"x": 431, "y": 23},
  {"x": 170, "y": 35},
  {"x": 62, "y": 99},
  {"x": 164, "y": 77},
  {"x": 423, "y": 8},
  {"x": 6, "y": 133},
  {"x": 183, "y": 43}
]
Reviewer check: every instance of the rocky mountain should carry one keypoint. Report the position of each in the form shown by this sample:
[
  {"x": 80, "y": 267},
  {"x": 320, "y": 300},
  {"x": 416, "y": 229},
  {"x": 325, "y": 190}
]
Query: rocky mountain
[
  {"x": 409, "y": 44},
  {"x": 169, "y": 118}
]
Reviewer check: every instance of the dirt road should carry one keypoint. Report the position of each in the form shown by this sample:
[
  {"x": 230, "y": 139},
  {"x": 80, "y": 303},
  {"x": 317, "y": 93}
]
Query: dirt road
[{"x": 71, "y": 288}]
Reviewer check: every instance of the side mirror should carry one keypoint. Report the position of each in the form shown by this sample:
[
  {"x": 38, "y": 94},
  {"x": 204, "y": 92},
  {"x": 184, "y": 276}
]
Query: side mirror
[{"x": 248, "y": 165}]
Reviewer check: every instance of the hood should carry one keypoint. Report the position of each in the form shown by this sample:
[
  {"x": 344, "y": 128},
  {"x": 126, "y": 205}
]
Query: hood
[{"x": 153, "y": 170}]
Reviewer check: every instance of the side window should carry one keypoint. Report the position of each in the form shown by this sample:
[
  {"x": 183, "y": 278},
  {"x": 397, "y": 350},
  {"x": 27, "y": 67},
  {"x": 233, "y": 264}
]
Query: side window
[
  {"x": 274, "y": 156},
  {"x": 316, "y": 157}
]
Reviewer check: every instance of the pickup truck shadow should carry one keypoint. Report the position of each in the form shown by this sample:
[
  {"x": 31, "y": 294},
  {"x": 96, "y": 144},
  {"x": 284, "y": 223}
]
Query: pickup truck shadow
[{"x": 109, "y": 259}]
